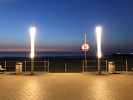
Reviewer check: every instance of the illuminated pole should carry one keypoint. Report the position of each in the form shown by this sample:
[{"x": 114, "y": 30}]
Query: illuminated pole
[
  {"x": 32, "y": 53},
  {"x": 99, "y": 54}
]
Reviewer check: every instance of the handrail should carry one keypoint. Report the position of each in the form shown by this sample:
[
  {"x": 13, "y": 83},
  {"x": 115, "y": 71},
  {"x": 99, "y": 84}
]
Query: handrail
[{"x": 45, "y": 64}]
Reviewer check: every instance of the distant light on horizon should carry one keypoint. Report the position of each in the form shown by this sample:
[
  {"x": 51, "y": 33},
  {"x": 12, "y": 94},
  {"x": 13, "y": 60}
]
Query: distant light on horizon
[
  {"x": 32, "y": 35},
  {"x": 99, "y": 36}
]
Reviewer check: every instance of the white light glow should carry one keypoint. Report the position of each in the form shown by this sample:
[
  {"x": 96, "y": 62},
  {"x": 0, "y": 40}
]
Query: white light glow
[
  {"x": 99, "y": 36},
  {"x": 85, "y": 47},
  {"x": 32, "y": 35}
]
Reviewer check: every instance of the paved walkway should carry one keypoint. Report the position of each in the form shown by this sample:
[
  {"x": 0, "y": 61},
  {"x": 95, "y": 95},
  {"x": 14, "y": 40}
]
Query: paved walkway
[{"x": 66, "y": 86}]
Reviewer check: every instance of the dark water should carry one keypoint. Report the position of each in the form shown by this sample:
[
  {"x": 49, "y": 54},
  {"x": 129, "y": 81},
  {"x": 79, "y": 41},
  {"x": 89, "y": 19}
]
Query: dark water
[{"x": 41, "y": 54}]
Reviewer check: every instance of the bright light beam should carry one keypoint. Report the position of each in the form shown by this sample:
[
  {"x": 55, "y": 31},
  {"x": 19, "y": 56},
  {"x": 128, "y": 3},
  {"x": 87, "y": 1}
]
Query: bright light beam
[
  {"x": 32, "y": 54},
  {"x": 32, "y": 35},
  {"x": 99, "y": 54},
  {"x": 99, "y": 36}
]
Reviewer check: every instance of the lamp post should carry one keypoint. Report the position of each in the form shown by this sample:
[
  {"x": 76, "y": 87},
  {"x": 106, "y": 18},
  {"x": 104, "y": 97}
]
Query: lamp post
[
  {"x": 32, "y": 53},
  {"x": 99, "y": 54}
]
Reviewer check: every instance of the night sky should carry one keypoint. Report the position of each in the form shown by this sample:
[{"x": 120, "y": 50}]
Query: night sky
[{"x": 61, "y": 24}]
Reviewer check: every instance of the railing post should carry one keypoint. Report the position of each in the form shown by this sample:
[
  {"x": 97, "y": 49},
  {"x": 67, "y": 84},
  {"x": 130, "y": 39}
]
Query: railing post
[
  {"x": 5, "y": 66},
  {"x": 44, "y": 65},
  {"x": 126, "y": 66},
  {"x": 106, "y": 65},
  {"x": 83, "y": 66},
  {"x": 86, "y": 65},
  {"x": 65, "y": 67},
  {"x": 25, "y": 66},
  {"x": 48, "y": 65}
]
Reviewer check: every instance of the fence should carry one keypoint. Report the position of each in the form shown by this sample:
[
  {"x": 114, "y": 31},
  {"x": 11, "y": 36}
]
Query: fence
[
  {"x": 39, "y": 65},
  {"x": 68, "y": 65},
  {"x": 121, "y": 65}
]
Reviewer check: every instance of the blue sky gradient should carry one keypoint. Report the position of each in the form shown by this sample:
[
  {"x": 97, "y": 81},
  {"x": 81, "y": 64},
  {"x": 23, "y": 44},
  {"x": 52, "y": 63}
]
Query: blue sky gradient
[{"x": 61, "y": 24}]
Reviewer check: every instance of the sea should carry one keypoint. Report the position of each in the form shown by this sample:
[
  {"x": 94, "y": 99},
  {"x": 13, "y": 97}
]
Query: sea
[{"x": 42, "y": 54}]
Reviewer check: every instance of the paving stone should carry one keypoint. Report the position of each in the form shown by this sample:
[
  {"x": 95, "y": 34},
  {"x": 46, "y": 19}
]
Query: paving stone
[{"x": 66, "y": 86}]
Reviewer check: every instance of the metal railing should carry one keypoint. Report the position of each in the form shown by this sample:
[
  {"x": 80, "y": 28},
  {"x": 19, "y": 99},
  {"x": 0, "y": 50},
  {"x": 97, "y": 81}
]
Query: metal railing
[
  {"x": 39, "y": 65},
  {"x": 68, "y": 66},
  {"x": 121, "y": 65}
]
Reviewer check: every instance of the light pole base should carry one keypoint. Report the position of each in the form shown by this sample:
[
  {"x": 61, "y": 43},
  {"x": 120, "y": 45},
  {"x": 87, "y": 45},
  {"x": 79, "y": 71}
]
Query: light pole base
[
  {"x": 32, "y": 66},
  {"x": 99, "y": 67}
]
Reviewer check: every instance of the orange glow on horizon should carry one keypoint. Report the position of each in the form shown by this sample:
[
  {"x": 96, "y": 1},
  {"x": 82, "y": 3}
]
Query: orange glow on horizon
[{"x": 37, "y": 49}]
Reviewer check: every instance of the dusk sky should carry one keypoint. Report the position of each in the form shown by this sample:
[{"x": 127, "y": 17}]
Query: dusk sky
[{"x": 61, "y": 24}]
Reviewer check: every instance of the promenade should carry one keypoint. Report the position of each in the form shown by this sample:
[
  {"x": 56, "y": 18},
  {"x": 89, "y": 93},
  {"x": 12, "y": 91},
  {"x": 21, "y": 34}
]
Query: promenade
[{"x": 66, "y": 86}]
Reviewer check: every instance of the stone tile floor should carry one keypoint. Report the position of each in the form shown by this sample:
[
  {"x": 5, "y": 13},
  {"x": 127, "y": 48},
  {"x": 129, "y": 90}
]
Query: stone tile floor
[{"x": 66, "y": 86}]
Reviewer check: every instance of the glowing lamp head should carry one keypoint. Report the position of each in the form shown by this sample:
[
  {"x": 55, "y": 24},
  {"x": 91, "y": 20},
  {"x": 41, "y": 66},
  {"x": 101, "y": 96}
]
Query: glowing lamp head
[
  {"x": 98, "y": 30},
  {"x": 99, "y": 36},
  {"x": 32, "y": 35},
  {"x": 32, "y": 30},
  {"x": 85, "y": 47}
]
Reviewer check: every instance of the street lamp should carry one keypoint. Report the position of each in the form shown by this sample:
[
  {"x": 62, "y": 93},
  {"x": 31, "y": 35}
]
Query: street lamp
[
  {"x": 99, "y": 54},
  {"x": 32, "y": 53}
]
